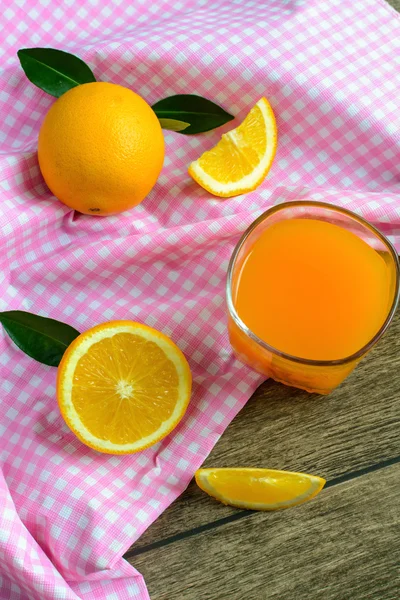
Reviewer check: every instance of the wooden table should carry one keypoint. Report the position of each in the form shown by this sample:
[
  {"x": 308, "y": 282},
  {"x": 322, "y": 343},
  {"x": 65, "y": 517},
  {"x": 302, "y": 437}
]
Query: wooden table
[{"x": 343, "y": 545}]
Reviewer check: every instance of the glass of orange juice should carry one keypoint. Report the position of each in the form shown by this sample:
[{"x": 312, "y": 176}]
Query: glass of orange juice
[{"x": 311, "y": 288}]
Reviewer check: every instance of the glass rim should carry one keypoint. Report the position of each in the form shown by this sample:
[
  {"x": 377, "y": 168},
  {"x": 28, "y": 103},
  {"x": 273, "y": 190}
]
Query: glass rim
[{"x": 306, "y": 361}]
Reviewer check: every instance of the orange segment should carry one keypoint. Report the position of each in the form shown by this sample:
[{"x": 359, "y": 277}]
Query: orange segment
[
  {"x": 259, "y": 489},
  {"x": 242, "y": 158},
  {"x": 123, "y": 386}
]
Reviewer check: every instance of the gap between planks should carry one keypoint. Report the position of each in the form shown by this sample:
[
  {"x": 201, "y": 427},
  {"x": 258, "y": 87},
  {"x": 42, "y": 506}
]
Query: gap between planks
[{"x": 247, "y": 513}]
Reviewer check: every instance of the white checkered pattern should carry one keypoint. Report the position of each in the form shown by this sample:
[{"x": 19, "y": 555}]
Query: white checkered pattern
[{"x": 330, "y": 69}]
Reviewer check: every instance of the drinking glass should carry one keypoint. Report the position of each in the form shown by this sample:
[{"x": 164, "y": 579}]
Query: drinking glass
[{"x": 319, "y": 376}]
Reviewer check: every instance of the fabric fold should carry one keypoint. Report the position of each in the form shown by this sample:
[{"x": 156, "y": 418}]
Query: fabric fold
[{"x": 330, "y": 70}]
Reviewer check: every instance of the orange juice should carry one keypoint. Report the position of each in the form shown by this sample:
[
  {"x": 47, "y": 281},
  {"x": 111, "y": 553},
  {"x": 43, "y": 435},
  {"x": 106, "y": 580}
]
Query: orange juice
[{"x": 312, "y": 290}]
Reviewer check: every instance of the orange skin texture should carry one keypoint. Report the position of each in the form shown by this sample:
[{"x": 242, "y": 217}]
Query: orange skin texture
[{"x": 101, "y": 148}]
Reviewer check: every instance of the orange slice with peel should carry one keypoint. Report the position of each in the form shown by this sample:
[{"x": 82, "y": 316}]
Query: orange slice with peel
[
  {"x": 259, "y": 489},
  {"x": 242, "y": 158},
  {"x": 123, "y": 386}
]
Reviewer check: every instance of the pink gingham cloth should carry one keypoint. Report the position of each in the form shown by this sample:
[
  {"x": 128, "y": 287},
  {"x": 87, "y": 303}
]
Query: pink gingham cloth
[{"x": 330, "y": 69}]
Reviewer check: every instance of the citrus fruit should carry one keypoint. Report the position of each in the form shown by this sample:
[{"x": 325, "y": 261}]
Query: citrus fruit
[
  {"x": 122, "y": 386},
  {"x": 101, "y": 148},
  {"x": 242, "y": 158},
  {"x": 259, "y": 489}
]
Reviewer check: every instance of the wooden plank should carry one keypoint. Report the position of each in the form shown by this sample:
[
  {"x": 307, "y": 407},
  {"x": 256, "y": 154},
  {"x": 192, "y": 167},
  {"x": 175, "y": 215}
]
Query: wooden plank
[
  {"x": 395, "y": 4},
  {"x": 344, "y": 545},
  {"x": 283, "y": 428}
]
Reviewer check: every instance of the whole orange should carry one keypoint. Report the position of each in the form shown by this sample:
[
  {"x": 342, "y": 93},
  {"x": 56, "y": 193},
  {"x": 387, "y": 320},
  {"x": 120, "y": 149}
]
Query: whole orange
[{"x": 101, "y": 148}]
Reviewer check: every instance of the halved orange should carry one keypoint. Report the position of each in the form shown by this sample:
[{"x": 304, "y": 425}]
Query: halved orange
[
  {"x": 242, "y": 158},
  {"x": 123, "y": 386},
  {"x": 259, "y": 489}
]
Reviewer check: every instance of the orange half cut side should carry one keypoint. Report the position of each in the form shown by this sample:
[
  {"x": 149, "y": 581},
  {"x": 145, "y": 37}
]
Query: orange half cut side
[{"x": 123, "y": 386}]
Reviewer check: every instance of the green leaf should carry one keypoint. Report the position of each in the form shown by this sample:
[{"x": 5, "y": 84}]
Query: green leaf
[
  {"x": 43, "y": 339},
  {"x": 173, "y": 124},
  {"x": 200, "y": 113},
  {"x": 54, "y": 71}
]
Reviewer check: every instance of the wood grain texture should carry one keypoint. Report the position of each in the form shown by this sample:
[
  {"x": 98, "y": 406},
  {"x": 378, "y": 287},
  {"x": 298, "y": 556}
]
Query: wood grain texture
[
  {"x": 284, "y": 428},
  {"x": 341, "y": 546}
]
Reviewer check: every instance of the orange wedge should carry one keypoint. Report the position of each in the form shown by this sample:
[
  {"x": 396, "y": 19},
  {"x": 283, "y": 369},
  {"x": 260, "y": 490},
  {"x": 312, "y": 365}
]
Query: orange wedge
[
  {"x": 122, "y": 387},
  {"x": 259, "y": 489},
  {"x": 242, "y": 158}
]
